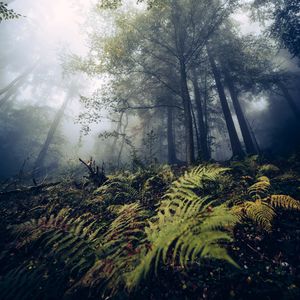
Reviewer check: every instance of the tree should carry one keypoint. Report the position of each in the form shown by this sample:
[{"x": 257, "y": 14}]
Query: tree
[
  {"x": 6, "y": 13},
  {"x": 236, "y": 146},
  {"x": 231, "y": 53},
  {"x": 202, "y": 127},
  {"x": 167, "y": 40},
  {"x": 285, "y": 25},
  {"x": 39, "y": 162},
  {"x": 13, "y": 86}
]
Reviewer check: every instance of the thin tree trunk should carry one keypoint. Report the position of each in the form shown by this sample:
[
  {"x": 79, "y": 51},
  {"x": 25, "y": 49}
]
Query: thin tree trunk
[
  {"x": 257, "y": 147},
  {"x": 19, "y": 79},
  {"x": 118, "y": 133},
  {"x": 196, "y": 131},
  {"x": 188, "y": 121},
  {"x": 205, "y": 114},
  {"x": 249, "y": 144},
  {"x": 201, "y": 122},
  {"x": 171, "y": 138},
  {"x": 43, "y": 153},
  {"x": 11, "y": 92},
  {"x": 123, "y": 141},
  {"x": 291, "y": 102},
  {"x": 236, "y": 146}
]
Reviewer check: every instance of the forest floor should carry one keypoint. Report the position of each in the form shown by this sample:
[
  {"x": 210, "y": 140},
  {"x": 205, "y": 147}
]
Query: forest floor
[{"x": 52, "y": 238}]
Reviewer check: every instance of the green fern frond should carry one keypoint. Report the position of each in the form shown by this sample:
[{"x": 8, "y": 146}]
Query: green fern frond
[
  {"x": 196, "y": 177},
  {"x": 121, "y": 250},
  {"x": 117, "y": 190},
  {"x": 268, "y": 170},
  {"x": 73, "y": 242},
  {"x": 186, "y": 226}
]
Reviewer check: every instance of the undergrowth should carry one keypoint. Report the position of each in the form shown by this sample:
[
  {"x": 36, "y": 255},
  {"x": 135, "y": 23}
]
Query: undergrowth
[{"x": 196, "y": 227}]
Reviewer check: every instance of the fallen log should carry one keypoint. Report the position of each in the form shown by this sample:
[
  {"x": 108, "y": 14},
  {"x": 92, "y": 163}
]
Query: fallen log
[{"x": 28, "y": 189}]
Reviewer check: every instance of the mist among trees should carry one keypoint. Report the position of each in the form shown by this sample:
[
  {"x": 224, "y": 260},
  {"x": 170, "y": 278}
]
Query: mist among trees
[{"x": 150, "y": 149}]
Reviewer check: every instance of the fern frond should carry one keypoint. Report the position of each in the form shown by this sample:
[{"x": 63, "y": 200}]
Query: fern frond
[
  {"x": 117, "y": 190},
  {"x": 195, "y": 178},
  {"x": 121, "y": 250},
  {"x": 72, "y": 242},
  {"x": 260, "y": 188},
  {"x": 283, "y": 201},
  {"x": 186, "y": 226},
  {"x": 261, "y": 213},
  {"x": 268, "y": 170}
]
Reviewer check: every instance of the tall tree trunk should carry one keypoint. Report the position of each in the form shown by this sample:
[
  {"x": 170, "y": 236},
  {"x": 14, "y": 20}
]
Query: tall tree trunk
[
  {"x": 11, "y": 92},
  {"x": 291, "y": 102},
  {"x": 17, "y": 80},
  {"x": 188, "y": 121},
  {"x": 170, "y": 138},
  {"x": 123, "y": 140},
  {"x": 196, "y": 131},
  {"x": 205, "y": 113},
  {"x": 13, "y": 87},
  {"x": 236, "y": 146},
  {"x": 249, "y": 144},
  {"x": 201, "y": 123},
  {"x": 43, "y": 153}
]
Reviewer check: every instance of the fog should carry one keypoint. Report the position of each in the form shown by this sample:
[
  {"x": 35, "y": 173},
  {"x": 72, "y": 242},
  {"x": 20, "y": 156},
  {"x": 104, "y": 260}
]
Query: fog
[
  {"x": 39, "y": 42},
  {"x": 47, "y": 31}
]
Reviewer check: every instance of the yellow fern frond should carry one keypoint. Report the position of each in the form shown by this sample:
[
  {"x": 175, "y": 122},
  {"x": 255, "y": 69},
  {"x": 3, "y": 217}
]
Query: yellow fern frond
[
  {"x": 283, "y": 201},
  {"x": 239, "y": 211},
  {"x": 261, "y": 213},
  {"x": 260, "y": 188}
]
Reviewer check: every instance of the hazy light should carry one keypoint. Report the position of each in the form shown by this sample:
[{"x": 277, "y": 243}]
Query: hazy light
[{"x": 259, "y": 104}]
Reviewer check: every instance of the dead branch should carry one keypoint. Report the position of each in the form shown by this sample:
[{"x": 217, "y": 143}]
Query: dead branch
[{"x": 95, "y": 175}]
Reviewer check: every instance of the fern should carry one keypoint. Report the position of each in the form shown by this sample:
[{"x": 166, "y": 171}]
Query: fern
[
  {"x": 261, "y": 212},
  {"x": 117, "y": 190},
  {"x": 283, "y": 201},
  {"x": 268, "y": 170},
  {"x": 186, "y": 226},
  {"x": 156, "y": 185},
  {"x": 74, "y": 242},
  {"x": 197, "y": 176},
  {"x": 260, "y": 188},
  {"x": 121, "y": 250},
  {"x": 261, "y": 209},
  {"x": 32, "y": 280}
]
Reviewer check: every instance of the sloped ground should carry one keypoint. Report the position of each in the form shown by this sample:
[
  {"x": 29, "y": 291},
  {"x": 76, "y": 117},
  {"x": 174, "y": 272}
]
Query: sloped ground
[{"x": 88, "y": 243}]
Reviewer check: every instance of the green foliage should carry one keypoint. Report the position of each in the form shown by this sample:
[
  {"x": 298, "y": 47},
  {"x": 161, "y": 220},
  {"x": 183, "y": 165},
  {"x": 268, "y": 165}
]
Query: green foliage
[
  {"x": 286, "y": 25},
  {"x": 186, "y": 226},
  {"x": 121, "y": 250},
  {"x": 60, "y": 239},
  {"x": 6, "y": 13},
  {"x": 197, "y": 178},
  {"x": 269, "y": 170},
  {"x": 144, "y": 225},
  {"x": 109, "y": 4},
  {"x": 117, "y": 190},
  {"x": 155, "y": 186},
  {"x": 113, "y": 4},
  {"x": 247, "y": 167}
]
